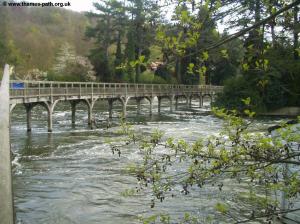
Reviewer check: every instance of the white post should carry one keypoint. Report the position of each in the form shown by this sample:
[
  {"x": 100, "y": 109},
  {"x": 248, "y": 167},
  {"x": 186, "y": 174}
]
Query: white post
[{"x": 6, "y": 194}]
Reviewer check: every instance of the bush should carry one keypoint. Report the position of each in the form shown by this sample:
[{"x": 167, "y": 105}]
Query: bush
[
  {"x": 151, "y": 78},
  {"x": 236, "y": 89},
  {"x": 80, "y": 70}
]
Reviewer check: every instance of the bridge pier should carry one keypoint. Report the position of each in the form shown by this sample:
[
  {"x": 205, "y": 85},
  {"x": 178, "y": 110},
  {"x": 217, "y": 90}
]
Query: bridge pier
[
  {"x": 187, "y": 101},
  {"x": 50, "y": 121},
  {"x": 138, "y": 103},
  {"x": 159, "y": 104},
  {"x": 110, "y": 108},
  {"x": 11, "y": 107},
  {"x": 200, "y": 101},
  {"x": 28, "y": 108},
  {"x": 90, "y": 104},
  {"x": 124, "y": 101},
  {"x": 171, "y": 103},
  {"x": 50, "y": 108},
  {"x": 190, "y": 101},
  {"x": 176, "y": 103},
  {"x": 150, "y": 99},
  {"x": 73, "y": 110}
]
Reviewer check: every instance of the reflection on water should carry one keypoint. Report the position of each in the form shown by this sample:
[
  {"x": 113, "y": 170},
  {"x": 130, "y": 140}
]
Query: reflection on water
[{"x": 71, "y": 176}]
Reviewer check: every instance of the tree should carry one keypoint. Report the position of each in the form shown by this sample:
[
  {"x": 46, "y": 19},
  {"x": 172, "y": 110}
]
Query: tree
[
  {"x": 144, "y": 17},
  {"x": 273, "y": 84},
  {"x": 71, "y": 67},
  {"x": 108, "y": 20},
  {"x": 237, "y": 155},
  {"x": 8, "y": 51},
  {"x": 65, "y": 54}
]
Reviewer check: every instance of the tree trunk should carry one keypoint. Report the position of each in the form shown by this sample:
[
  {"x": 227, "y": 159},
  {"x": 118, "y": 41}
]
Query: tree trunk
[
  {"x": 178, "y": 70},
  {"x": 296, "y": 33},
  {"x": 257, "y": 10},
  {"x": 272, "y": 24},
  {"x": 138, "y": 67}
]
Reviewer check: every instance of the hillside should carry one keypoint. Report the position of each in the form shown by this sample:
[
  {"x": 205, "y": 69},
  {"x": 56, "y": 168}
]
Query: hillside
[{"x": 38, "y": 33}]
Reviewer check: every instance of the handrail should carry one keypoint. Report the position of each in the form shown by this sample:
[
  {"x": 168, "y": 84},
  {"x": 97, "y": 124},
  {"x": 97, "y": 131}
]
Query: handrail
[
  {"x": 28, "y": 88},
  {"x": 104, "y": 83}
]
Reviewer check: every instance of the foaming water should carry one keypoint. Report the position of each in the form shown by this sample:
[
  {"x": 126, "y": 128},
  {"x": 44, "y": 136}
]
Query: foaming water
[{"x": 71, "y": 175}]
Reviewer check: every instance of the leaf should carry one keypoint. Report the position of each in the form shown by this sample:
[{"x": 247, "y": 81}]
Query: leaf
[
  {"x": 249, "y": 113},
  {"x": 221, "y": 208},
  {"x": 141, "y": 58},
  {"x": 184, "y": 16},
  {"x": 247, "y": 101},
  {"x": 250, "y": 47},
  {"x": 266, "y": 64},
  {"x": 245, "y": 67},
  {"x": 190, "y": 68},
  {"x": 263, "y": 83},
  {"x": 224, "y": 53},
  {"x": 205, "y": 55},
  {"x": 133, "y": 64},
  {"x": 257, "y": 64}
]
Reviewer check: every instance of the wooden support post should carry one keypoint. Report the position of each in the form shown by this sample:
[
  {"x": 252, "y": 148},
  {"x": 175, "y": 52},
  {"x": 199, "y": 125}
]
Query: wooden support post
[
  {"x": 124, "y": 101},
  {"x": 150, "y": 99},
  {"x": 90, "y": 116},
  {"x": 6, "y": 193},
  {"x": 138, "y": 102},
  {"x": 50, "y": 108},
  {"x": 124, "y": 113},
  {"x": 50, "y": 121},
  {"x": 151, "y": 106},
  {"x": 176, "y": 103},
  {"x": 159, "y": 104},
  {"x": 171, "y": 103},
  {"x": 110, "y": 108},
  {"x": 73, "y": 109},
  {"x": 200, "y": 101},
  {"x": 190, "y": 101},
  {"x": 90, "y": 104},
  {"x": 28, "y": 108}
]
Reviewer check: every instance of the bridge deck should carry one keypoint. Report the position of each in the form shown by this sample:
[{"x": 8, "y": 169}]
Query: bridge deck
[{"x": 32, "y": 91}]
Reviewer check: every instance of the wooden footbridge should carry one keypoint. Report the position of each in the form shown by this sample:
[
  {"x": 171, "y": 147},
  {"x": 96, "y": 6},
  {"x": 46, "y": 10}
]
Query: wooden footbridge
[{"x": 48, "y": 94}]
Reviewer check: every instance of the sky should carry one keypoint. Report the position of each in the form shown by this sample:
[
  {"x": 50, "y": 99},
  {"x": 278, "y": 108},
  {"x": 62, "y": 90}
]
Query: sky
[
  {"x": 87, "y": 5},
  {"x": 79, "y": 5}
]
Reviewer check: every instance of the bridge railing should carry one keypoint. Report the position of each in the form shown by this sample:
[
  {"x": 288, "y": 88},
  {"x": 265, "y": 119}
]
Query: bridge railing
[{"x": 43, "y": 89}]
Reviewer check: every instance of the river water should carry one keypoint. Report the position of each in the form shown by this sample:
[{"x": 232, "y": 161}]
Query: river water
[{"x": 71, "y": 175}]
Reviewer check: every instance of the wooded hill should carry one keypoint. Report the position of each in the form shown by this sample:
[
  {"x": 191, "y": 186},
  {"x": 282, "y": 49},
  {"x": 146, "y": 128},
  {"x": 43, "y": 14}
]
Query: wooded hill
[{"x": 35, "y": 35}]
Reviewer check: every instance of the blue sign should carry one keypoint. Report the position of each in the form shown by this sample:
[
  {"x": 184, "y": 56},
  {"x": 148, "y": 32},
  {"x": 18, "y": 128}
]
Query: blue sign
[{"x": 18, "y": 85}]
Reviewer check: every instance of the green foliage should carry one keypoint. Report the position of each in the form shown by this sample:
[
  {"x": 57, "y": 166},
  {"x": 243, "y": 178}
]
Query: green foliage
[
  {"x": 165, "y": 73},
  {"x": 235, "y": 89},
  {"x": 221, "y": 208},
  {"x": 151, "y": 78},
  {"x": 33, "y": 37},
  {"x": 239, "y": 156}
]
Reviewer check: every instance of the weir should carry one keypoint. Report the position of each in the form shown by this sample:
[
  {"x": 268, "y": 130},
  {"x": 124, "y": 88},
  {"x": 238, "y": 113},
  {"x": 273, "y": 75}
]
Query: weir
[{"x": 48, "y": 94}]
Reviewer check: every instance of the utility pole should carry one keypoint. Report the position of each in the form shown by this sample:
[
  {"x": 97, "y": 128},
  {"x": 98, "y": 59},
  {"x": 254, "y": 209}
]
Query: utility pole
[{"x": 6, "y": 193}]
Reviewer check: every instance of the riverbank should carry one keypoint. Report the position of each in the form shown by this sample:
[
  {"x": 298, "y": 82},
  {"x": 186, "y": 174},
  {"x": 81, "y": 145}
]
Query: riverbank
[{"x": 285, "y": 111}]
